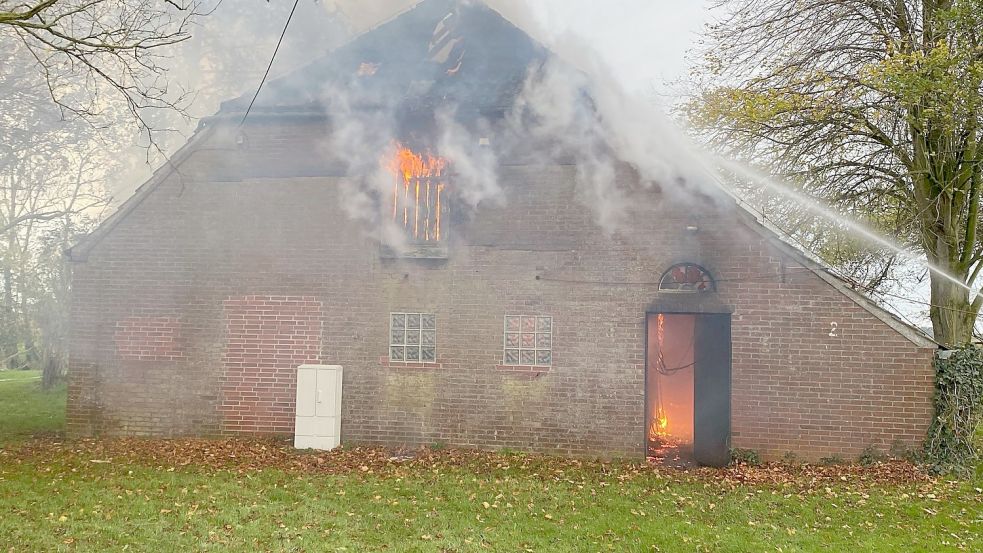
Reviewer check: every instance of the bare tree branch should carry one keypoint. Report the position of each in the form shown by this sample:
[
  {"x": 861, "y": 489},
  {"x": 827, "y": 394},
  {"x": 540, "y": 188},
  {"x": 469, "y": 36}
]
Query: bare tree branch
[{"x": 85, "y": 49}]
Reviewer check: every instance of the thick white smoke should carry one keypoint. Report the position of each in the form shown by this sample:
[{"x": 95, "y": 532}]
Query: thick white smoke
[
  {"x": 475, "y": 164},
  {"x": 575, "y": 107},
  {"x": 554, "y": 109},
  {"x": 362, "y": 15},
  {"x": 359, "y": 138},
  {"x": 634, "y": 126}
]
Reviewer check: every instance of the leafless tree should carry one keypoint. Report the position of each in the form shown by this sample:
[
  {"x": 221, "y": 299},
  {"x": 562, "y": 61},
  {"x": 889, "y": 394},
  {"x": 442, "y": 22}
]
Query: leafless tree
[
  {"x": 52, "y": 177},
  {"x": 874, "y": 105},
  {"x": 89, "y": 50},
  {"x": 72, "y": 74}
]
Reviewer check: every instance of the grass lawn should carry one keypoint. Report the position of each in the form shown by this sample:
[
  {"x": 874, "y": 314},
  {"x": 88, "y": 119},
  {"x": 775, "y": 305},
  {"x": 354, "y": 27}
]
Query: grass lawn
[
  {"x": 26, "y": 409},
  {"x": 142, "y": 495}
]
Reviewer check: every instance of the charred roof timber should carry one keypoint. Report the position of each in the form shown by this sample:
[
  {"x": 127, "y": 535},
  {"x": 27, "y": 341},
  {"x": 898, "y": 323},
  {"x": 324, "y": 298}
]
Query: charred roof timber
[{"x": 441, "y": 52}]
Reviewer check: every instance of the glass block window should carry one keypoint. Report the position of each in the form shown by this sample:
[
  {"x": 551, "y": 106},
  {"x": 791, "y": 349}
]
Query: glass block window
[
  {"x": 413, "y": 337},
  {"x": 528, "y": 340}
]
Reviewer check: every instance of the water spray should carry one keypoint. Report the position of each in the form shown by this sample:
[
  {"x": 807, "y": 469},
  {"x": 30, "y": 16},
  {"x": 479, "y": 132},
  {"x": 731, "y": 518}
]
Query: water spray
[{"x": 817, "y": 208}]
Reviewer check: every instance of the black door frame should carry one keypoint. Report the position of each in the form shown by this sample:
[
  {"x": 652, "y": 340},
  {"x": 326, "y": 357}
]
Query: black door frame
[{"x": 655, "y": 310}]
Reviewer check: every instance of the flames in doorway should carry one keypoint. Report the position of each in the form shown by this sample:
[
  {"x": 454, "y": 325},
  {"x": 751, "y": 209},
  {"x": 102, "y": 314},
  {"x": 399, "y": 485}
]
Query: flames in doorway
[
  {"x": 659, "y": 429},
  {"x": 670, "y": 382},
  {"x": 418, "y": 190}
]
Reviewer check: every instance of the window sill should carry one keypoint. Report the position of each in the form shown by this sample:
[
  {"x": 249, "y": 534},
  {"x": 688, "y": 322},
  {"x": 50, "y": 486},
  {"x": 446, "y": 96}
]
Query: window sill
[
  {"x": 529, "y": 371},
  {"x": 416, "y": 251},
  {"x": 385, "y": 362}
]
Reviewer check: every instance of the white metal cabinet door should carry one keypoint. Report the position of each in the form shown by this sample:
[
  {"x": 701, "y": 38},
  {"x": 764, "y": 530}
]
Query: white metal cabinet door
[{"x": 318, "y": 424}]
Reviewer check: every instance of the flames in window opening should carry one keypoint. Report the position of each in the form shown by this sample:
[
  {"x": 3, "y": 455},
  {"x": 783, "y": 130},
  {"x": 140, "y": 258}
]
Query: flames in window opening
[{"x": 418, "y": 192}]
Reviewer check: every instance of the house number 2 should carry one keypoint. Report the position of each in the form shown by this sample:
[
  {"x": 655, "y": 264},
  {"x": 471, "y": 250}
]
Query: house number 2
[{"x": 834, "y": 330}]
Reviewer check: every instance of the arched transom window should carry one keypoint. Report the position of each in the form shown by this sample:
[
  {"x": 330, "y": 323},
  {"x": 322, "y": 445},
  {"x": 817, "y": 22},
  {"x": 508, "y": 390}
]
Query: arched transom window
[{"x": 686, "y": 277}]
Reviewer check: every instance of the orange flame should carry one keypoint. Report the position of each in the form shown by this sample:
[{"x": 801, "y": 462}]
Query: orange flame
[
  {"x": 661, "y": 330},
  {"x": 660, "y": 425},
  {"x": 671, "y": 380},
  {"x": 420, "y": 176},
  {"x": 659, "y": 429}
]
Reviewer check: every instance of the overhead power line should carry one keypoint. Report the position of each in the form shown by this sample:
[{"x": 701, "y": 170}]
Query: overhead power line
[{"x": 272, "y": 59}]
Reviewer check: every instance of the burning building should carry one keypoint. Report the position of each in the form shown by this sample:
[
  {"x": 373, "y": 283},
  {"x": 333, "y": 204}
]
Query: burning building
[{"x": 339, "y": 225}]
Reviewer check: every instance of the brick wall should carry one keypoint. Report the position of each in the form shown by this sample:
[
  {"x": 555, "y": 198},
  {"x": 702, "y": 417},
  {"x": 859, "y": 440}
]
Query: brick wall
[
  {"x": 193, "y": 244},
  {"x": 268, "y": 337},
  {"x": 148, "y": 339}
]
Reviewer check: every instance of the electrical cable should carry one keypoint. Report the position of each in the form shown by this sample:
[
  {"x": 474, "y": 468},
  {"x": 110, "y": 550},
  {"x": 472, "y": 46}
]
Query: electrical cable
[
  {"x": 661, "y": 363},
  {"x": 270, "y": 66},
  {"x": 669, "y": 372}
]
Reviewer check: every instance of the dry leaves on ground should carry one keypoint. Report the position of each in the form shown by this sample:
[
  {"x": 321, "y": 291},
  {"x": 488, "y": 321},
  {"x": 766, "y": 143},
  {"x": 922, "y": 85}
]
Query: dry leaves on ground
[{"x": 245, "y": 455}]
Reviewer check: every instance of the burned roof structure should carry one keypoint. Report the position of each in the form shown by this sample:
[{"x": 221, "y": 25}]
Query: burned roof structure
[{"x": 438, "y": 53}]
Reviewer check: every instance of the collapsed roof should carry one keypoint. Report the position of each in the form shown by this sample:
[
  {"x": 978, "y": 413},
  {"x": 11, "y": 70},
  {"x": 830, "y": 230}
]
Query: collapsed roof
[{"x": 439, "y": 52}]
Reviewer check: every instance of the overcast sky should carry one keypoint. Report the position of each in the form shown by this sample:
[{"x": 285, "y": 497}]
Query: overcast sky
[{"x": 644, "y": 41}]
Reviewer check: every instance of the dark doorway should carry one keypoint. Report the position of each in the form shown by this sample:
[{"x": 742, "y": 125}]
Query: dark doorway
[{"x": 688, "y": 388}]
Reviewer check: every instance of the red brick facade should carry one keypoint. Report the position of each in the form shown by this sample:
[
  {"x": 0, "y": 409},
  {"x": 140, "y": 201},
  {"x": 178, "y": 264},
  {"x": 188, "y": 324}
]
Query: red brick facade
[
  {"x": 265, "y": 272},
  {"x": 267, "y": 338},
  {"x": 148, "y": 339}
]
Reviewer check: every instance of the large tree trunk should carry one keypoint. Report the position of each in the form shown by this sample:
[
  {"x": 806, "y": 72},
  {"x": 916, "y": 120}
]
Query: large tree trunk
[
  {"x": 953, "y": 310},
  {"x": 8, "y": 326},
  {"x": 953, "y": 314},
  {"x": 51, "y": 371}
]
